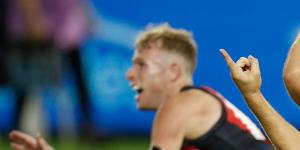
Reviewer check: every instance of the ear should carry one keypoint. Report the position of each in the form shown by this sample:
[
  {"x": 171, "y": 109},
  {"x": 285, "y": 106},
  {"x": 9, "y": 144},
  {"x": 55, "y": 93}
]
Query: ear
[{"x": 174, "y": 71}]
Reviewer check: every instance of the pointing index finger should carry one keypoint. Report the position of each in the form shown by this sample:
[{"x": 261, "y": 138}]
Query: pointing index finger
[{"x": 227, "y": 58}]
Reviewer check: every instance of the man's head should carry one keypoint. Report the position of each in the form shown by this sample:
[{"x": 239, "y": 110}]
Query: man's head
[{"x": 164, "y": 60}]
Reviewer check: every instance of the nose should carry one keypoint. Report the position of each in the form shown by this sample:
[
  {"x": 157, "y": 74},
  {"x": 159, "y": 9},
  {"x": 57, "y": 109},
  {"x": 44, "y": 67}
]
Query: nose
[{"x": 130, "y": 74}]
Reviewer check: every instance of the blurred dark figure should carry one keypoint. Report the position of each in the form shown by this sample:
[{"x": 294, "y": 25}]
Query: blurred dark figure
[
  {"x": 3, "y": 46},
  {"x": 39, "y": 33},
  {"x": 3, "y": 38}
]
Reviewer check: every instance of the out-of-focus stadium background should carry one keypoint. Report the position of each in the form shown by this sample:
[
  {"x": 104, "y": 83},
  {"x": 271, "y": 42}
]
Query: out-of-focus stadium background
[{"x": 107, "y": 118}]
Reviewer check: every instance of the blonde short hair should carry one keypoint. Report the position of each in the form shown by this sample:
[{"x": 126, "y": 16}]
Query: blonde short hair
[{"x": 178, "y": 41}]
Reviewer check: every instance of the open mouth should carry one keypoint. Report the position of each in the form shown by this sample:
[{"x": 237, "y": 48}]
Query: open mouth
[{"x": 139, "y": 90}]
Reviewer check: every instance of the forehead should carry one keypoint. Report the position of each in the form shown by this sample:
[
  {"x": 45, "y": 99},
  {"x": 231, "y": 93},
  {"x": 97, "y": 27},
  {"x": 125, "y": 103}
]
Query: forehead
[{"x": 142, "y": 53}]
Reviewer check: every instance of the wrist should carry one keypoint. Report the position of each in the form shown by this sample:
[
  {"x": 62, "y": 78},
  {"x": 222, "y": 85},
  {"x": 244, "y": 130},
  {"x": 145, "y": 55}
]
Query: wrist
[{"x": 253, "y": 98}]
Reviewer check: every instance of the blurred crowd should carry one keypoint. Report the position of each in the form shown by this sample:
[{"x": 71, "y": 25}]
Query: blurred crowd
[{"x": 40, "y": 43}]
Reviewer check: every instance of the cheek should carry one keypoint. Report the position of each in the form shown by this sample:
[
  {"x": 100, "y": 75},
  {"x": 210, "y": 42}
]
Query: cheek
[
  {"x": 153, "y": 76},
  {"x": 154, "y": 69},
  {"x": 157, "y": 82}
]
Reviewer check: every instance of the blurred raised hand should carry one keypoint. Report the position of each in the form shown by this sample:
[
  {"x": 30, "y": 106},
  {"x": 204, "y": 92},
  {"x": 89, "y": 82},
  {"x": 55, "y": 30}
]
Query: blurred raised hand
[{"x": 22, "y": 141}]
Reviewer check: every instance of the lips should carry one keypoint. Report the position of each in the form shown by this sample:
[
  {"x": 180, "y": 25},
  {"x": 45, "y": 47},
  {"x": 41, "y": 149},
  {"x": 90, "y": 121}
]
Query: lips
[
  {"x": 138, "y": 91},
  {"x": 136, "y": 88}
]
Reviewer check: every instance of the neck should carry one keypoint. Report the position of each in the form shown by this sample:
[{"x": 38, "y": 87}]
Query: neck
[{"x": 176, "y": 87}]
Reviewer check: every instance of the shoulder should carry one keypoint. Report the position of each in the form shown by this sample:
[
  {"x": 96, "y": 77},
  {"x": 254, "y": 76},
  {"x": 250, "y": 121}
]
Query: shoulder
[
  {"x": 193, "y": 111},
  {"x": 190, "y": 101}
]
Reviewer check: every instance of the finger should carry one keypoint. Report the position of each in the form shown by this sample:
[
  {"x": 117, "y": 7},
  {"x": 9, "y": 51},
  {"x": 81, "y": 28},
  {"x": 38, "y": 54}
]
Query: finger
[
  {"x": 41, "y": 143},
  {"x": 19, "y": 137},
  {"x": 254, "y": 63},
  {"x": 297, "y": 38},
  {"x": 16, "y": 146},
  {"x": 228, "y": 59},
  {"x": 243, "y": 62}
]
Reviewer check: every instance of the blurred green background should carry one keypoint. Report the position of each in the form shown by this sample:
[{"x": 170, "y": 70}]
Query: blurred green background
[{"x": 119, "y": 143}]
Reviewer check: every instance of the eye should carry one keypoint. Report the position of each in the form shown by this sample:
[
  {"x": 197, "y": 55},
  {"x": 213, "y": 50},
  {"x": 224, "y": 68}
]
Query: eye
[{"x": 141, "y": 64}]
